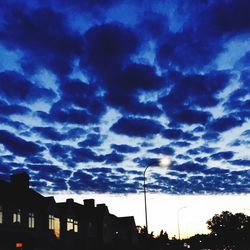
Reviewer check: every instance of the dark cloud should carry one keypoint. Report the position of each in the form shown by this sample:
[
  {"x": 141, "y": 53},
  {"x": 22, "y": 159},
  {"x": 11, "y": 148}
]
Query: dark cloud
[
  {"x": 193, "y": 151},
  {"x": 108, "y": 47},
  {"x": 191, "y": 116},
  {"x": 74, "y": 133},
  {"x": 14, "y": 124},
  {"x": 53, "y": 44},
  {"x": 201, "y": 159},
  {"x": 136, "y": 127},
  {"x": 18, "y": 145},
  {"x": 113, "y": 158},
  {"x": 225, "y": 123},
  {"x": 14, "y": 87},
  {"x": 166, "y": 150},
  {"x": 172, "y": 133},
  {"x": 82, "y": 95},
  {"x": 124, "y": 148},
  {"x": 189, "y": 167},
  {"x": 14, "y": 109},
  {"x": 241, "y": 162},
  {"x": 193, "y": 90},
  {"x": 181, "y": 144},
  {"x": 211, "y": 136},
  {"x": 80, "y": 103},
  {"x": 220, "y": 17},
  {"x": 226, "y": 155},
  {"x": 48, "y": 133},
  {"x": 126, "y": 86},
  {"x": 85, "y": 155},
  {"x": 92, "y": 140},
  {"x": 59, "y": 151}
]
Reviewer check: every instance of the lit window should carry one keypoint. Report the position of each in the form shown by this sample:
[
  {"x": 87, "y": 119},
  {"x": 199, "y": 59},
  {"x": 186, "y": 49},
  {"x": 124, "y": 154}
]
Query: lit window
[
  {"x": 57, "y": 228},
  {"x": 31, "y": 220},
  {"x": 72, "y": 225},
  {"x": 76, "y": 226},
  {"x": 17, "y": 216},
  {"x": 1, "y": 214},
  {"x": 51, "y": 222}
]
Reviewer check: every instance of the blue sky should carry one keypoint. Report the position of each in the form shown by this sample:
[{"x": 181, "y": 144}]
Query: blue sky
[{"x": 91, "y": 91}]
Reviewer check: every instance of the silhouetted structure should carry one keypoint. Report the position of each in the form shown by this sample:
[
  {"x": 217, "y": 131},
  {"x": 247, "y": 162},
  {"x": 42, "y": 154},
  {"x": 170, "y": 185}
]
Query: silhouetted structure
[{"x": 28, "y": 220}]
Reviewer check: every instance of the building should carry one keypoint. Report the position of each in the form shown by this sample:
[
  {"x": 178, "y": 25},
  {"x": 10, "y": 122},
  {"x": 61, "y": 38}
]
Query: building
[{"x": 28, "y": 220}]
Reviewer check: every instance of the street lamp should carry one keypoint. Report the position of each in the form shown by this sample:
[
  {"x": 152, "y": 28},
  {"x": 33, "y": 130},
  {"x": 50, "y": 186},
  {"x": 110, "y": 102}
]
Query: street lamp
[
  {"x": 178, "y": 221},
  {"x": 166, "y": 161}
]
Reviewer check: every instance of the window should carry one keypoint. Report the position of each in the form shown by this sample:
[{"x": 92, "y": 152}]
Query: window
[
  {"x": 51, "y": 222},
  {"x": 57, "y": 227},
  {"x": 72, "y": 225},
  {"x": 76, "y": 226},
  {"x": 1, "y": 214},
  {"x": 17, "y": 216},
  {"x": 31, "y": 223}
]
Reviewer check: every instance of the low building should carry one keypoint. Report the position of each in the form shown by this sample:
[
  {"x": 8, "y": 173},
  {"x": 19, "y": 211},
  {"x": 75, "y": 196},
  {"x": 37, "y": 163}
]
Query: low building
[{"x": 28, "y": 220}]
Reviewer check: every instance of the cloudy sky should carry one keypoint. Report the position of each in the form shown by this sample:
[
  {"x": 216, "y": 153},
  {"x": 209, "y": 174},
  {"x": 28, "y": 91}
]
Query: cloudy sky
[{"x": 92, "y": 91}]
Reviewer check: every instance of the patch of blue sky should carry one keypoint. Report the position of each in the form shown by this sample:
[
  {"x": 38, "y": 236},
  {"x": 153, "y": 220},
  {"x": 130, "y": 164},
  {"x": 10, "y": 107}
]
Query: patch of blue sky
[
  {"x": 9, "y": 59},
  {"x": 234, "y": 50},
  {"x": 125, "y": 13},
  {"x": 45, "y": 78}
]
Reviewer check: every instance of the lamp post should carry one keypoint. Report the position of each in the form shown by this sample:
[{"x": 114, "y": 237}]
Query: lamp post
[
  {"x": 178, "y": 221},
  {"x": 160, "y": 162}
]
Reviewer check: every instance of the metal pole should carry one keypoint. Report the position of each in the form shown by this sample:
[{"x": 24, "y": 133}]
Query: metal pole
[
  {"x": 178, "y": 221},
  {"x": 145, "y": 198}
]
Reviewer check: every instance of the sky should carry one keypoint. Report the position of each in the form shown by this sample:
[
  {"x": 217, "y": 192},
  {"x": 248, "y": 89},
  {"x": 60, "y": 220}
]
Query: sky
[{"x": 92, "y": 91}]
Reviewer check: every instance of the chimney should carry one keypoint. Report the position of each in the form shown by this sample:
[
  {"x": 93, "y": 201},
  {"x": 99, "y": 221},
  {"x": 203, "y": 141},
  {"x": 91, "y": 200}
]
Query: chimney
[
  {"x": 89, "y": 203},
  {"x": 70, "y": 201},
  {"x": 20, "y": 181}
]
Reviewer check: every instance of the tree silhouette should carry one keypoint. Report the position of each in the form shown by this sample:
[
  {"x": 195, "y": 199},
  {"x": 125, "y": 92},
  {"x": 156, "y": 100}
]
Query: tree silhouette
[{"x": 228, "y": 228}]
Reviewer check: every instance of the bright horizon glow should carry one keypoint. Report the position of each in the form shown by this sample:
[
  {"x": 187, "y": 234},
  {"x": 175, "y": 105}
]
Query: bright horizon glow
[{"x": 163, "y": 209}]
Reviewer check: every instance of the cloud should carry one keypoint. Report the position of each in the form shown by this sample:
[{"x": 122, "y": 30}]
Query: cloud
[
  {"x": 124, "y": 148},
  {"x": 166, "y": 150},
  {"x": 14, "y": 124},
  {"x": 191, "y": 117},
  {"x": 194, "y": 90},
  {"x": 53, "y": 44},
  {"x": 113, "y": 158},
  {"x": 15, "y": 88},
  {"x": 48, "y": 133},
  {"x": 122, "y": 80},
  {"x": 226, "y": 155},
  {"x": 92, "y": 140},
  {"x": 136, "y": 127},
  {"x": 211, "y": 136},
  {"x": 85, "y": 155},
  {"x": 18, "y": 145},
  {"x": 189, "y": 167},
  {"x": 60, "y": 152},
  {"x": 241, "y": 162},
  {"x": 225, "y": 123},
  {"x": 7, "y": 110},
  {"x": 108, "y": 47},
  {"x": 80, "y": 103}
]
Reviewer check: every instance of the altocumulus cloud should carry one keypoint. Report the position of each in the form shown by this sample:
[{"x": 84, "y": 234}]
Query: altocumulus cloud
[{"x": 91, "y": 92}]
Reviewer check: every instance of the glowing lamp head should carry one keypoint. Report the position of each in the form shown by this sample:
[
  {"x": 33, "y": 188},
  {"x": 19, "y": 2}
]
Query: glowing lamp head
[{"x": 166, "y": 162}]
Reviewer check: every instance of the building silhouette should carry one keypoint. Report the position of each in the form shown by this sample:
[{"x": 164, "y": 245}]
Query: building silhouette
[{"x": 28, "y": 220}]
